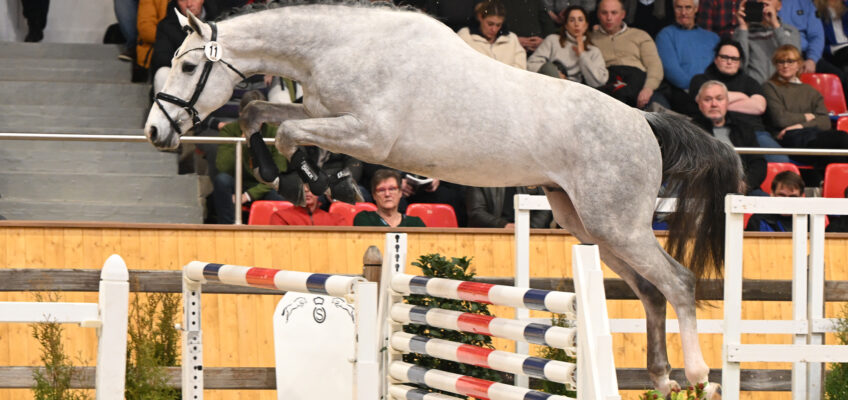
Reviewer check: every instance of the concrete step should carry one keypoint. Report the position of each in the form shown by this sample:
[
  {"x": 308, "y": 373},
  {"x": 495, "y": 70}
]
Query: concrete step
[
  {"x": 69, "y": 70},
  {"x": 88, "y": 162},
  {"x": 56, "y": 146},
  {"x": 17, "y": 117},
  {"x": 77, "y": 51},
  {"x": 77, "y": 94},
  {"x": 60, "y": 210},
  {"x": 118, "y": 188}
]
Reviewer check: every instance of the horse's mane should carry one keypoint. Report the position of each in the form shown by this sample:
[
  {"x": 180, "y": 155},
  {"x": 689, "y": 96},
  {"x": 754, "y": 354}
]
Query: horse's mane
[{"x": 257, "y": 6}]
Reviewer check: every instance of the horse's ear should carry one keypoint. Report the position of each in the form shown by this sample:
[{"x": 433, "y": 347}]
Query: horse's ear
[
  {"x": 197, "y": 25},
  {"x": 182, "y": 18}
]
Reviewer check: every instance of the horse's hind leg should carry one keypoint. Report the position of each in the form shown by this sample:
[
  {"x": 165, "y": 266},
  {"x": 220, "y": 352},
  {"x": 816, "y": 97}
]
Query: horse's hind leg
[{"x": 652, "y": 300}]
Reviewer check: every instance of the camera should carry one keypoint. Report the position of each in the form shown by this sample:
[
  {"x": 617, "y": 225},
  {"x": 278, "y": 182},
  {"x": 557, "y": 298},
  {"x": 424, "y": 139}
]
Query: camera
[{"x": 753, "y": 12}]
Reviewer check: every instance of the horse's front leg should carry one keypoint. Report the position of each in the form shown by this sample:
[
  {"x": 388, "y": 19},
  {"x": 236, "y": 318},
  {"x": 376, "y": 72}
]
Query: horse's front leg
[{"x": 251, "y": 119}]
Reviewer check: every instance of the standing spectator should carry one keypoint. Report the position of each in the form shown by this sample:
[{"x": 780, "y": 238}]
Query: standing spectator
[
  {"x": 760, "y": 40},
  {"x": 796, "y": 113},
  {"x": 35, "y": 12},
  {"x": 635, "y": 68},
  {"x": 310, "y": 214},
  {"x": 785, "y": 184},
  {"x": 685, "y": 50},
  {"x": 714, "y": 118},
  {"x": 385, "y": 188},
  {"x": 491, "y": 38},
  {"x": 570, "y": 54},
  {"x": 170, "y": 35},
  {"x": 223, "y": 193},
  {"x": 530, "y": 21},
  {"x": 494, "y": 207},
  {"x": 718, "y": 16},
  {"x": 649, "y": 15},
  {"x": 150, "y": 13},
  {"x": 126, "y": 11}
]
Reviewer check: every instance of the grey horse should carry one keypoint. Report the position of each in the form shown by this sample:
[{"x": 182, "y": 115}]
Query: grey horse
[{"x": 398, "y": 88}]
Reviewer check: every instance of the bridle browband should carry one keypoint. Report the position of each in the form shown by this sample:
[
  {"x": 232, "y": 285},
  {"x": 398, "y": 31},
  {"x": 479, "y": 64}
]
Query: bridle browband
[{"x": 213, "y": 55}]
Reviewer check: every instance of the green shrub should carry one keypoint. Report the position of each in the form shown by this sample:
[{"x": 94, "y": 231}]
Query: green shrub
[
  {"x": 53, "y": 381},
  {"x": 836, "y": 382},
  {"x": 153, "y": 345}
]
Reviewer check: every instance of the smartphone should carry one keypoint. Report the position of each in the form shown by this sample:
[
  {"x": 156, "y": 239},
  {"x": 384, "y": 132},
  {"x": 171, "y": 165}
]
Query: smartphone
[{"x": 753, "y": 11}]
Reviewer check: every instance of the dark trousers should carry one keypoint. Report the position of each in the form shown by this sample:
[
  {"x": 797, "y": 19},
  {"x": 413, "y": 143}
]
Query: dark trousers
[
  {"x": 224, "y": 186},
  {"x": 35, "y": 12},
  {"x": 811, "y": 138}
]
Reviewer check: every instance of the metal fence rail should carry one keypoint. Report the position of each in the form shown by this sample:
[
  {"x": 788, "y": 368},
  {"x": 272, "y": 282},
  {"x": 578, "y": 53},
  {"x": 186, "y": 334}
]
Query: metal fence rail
[{"x": 239, "y": 142}]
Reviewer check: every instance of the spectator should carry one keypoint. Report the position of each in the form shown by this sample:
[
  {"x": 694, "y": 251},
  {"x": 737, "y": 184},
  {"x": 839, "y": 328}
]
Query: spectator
[
  {"x": 570, "y": 54},
  {"x": 745, "y": 95},
  {"x": 635, "y": 68},
  {"x": 223, "y": 197},
  {"x": 418, "y": 189},
  {"x": 530, "y": 21},
  {"x": 126, "y": 11},
  {"x": 385, "y": 188},
  {"x": 760, "y": 40},
  {"x": 685, "y": 50},
  {"x": 796, "y": 113},
  {"x": 170, "y": 35},
  {"x": 493, "y": 207},
  {"x": 785, "y": 184},
  {"x": 718, "y": 16},
  {"x": 835, "y": 21},
  {"x": 35, "y": 12},
  {"x": 150, "y": 13},
  {"x": 491, "y": 38},
  {"x": 310, "y": 214},
  {"x": 648, "y": 15},
  {"x": 724, "y": 126},
  {"x": 556, "y": 9}
]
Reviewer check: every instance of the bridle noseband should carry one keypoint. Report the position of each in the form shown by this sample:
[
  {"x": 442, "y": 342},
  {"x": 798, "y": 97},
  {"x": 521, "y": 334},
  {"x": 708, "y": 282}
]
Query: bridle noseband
[{"x": 213, "y": 54}]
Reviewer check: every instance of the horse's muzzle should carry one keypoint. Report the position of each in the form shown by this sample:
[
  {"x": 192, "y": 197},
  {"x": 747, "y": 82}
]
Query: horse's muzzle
[{"x": 162, "y": 139}]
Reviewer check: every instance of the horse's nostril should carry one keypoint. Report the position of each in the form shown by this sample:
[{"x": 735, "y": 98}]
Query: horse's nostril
[{"x": 153, "y": 133}]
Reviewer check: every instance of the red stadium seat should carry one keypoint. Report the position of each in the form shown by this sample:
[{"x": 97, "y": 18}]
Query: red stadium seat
[
  {"x": 434, "y": 215},
  {"x": 347, "y": 211},
  {"x": 261, "y": 210},
  {"x": 835, "y": 180},
  {"x": 830, "y": 87},
  {"x": 842, "y": 124},
  {"x": 774, "y": 169}
]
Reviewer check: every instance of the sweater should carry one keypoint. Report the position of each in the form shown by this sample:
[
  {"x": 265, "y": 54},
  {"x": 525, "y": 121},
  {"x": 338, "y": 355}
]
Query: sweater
[
  {"x": 505, "y": 49},
  {"x": 588, "y": 68},
  {"x": 788, "y": 103},
  {"x": 685, "y": 53},
  {"x": 371, "y": 218},
  {"x": 632, "y": 47}
]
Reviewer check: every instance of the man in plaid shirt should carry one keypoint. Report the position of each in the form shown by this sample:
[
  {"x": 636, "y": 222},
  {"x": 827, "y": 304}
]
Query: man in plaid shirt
[{"x": 718, "y": 16}]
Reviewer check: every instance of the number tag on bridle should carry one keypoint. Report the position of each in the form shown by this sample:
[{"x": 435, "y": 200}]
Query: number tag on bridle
[{"x": 213, "y": 51}]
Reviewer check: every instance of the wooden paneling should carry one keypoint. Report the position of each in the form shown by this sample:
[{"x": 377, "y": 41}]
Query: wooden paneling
[{"x": 237, "y": 328}]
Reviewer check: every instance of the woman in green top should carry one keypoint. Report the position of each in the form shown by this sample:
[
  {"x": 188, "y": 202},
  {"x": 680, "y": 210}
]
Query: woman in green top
[{"x": 385, "y": 187}]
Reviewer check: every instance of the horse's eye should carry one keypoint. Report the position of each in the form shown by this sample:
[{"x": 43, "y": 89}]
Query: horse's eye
[{"x": 188, "y": 68}]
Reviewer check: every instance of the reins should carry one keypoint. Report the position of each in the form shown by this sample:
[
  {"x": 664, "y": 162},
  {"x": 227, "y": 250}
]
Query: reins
[{"x": 213, "y": 54}]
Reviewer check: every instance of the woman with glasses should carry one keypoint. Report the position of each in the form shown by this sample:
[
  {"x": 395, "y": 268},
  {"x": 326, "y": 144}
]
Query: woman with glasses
[
  {"x": 385, "y": 187},
  {"x": 796, "y": 114}
]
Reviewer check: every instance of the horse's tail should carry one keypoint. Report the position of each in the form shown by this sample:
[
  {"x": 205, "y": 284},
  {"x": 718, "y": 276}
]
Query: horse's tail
[{"x": 699, "y": 171}]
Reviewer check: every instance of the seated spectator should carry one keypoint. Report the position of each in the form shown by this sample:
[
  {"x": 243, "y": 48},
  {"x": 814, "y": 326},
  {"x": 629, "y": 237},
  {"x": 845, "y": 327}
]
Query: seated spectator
[
  {"x": 529, "y": 20},
  {"x": 223, "y": 193},
  {"x": 570, "y": 54},
  {"x": 759, "y": 40},
  {"x": 685, "y": 50},
  {"x": 418, "y": 189},
  {"x": 310, "y": 214},
  {"x": 491, "y": 38},
  {"x": 150, "y": 13},
  {"x": 635, "y": 68},
  {"x": 493, "y": 207},
  {"x": 717, "y": 16},
  {"x": 170, "y": 35},
  {"x": 797, "y": 116},
  {"x": 649, "y": 15},
  {"x": 385, "y": 188},
  {"x": 785, "y": 184},
  {"x": 724, "y": 126},
  {"x": 745, "y": 95}
]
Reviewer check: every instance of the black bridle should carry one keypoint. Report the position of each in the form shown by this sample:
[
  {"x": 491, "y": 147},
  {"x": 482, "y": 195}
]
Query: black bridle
[{"x": 213, "y": 55}]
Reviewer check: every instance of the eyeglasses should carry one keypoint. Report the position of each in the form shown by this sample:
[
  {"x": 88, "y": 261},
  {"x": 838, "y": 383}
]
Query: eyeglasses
[
  {"x": 786, "y": 61},
  {"x": 390, "y": 190},
  {"x": 729, "y": 58}
]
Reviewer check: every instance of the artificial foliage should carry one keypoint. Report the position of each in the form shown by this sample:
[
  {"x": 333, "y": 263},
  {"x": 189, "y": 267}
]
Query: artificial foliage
[
  {"x": 836, "y": 381},
  {"x": 435, "y": 265},
  {"x": 154, "y": 344},
  {"x": 553, "y": 353},
  {"x": 54, "y": 380}
]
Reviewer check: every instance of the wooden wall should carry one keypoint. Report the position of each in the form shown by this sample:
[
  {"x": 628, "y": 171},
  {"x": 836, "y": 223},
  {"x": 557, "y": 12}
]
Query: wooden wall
[{"x": 237, "y": 328}]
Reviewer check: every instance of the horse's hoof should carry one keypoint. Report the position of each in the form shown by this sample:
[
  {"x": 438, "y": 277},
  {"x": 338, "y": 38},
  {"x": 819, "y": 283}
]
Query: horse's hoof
[
  {"x": 712, "y": 391},
  {"x": 263, "y": 159},
  {"x": 317, "y": 180},
  {"x": 669, "y": 386}
]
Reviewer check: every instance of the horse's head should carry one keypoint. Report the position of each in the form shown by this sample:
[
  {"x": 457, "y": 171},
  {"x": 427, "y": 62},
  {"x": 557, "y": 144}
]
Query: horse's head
[{"x": 199, "y": 82}]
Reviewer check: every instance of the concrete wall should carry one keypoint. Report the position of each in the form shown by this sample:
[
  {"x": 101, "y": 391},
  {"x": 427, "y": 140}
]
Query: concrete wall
[{"x": 68, "y": 21}]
